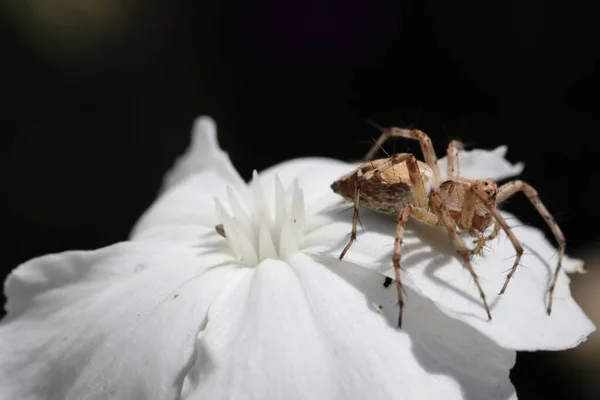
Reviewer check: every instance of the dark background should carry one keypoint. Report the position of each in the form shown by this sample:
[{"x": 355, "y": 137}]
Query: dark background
[{"x": 98, "y": 98}]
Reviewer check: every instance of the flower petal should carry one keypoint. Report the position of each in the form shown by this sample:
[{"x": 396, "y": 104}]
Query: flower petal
[
  {"x": 118, "y": 323},
  {"x": 202, "y": 154},
  {"x": 303, "y": 330},
  {"x": 484, "y": 164},
  {"x": 431, "y": 267}
]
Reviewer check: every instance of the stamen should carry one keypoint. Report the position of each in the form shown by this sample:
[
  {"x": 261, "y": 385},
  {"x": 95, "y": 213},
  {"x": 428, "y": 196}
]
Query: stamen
[
  {"x": 228, "y": 226},
  {"x": 260, "y": 203},
  {"x": 240, "y": 214},
  {"x": 266, "y": 247},
  {"x": 298, "y": 211},
  {"x": 265, "y": 233},
  {"x": 287, "y": 240}
]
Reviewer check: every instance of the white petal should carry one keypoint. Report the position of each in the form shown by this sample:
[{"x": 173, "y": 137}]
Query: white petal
[
  {"x": 432, "y": 268},
  {"x": 279, "y": 205},
  {"x": 116, "y": 323},
  {"x": 239, "y": 212},
  {"x": 230, "y": 229},
  {"x": 484, "y": 164},
  {"x": 287, "y": 239},
  {"x": 203, "y": 154},
  {"x": 306, "y": 331},
  {"x": 266, "y": 247},
  {"x": 261, "y": 207},
  {"x": 298, "y": 211}
]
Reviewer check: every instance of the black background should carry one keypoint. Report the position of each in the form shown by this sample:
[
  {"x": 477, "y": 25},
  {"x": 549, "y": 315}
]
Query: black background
[{"x": 98, "y": 99}]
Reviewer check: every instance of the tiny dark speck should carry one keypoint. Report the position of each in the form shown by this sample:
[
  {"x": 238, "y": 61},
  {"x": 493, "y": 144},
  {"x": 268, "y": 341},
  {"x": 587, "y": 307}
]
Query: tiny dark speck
[
  {"x": 388, "y": 281},
  {"x": 175, "y": 296}
]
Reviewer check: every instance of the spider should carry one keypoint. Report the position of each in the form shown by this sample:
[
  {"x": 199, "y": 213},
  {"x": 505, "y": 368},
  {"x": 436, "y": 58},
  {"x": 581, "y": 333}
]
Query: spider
[{"x": 401, "y": 185}]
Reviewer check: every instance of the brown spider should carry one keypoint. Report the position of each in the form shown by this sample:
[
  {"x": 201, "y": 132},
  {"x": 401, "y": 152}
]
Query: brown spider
[{"x": 403, "y": 186}]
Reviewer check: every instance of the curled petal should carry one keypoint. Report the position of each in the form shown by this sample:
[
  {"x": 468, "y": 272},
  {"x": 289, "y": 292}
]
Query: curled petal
[
  {"x": 202, "y": 155},
  {"x": 202, "y": 172},
  {"x": 118, "y": 323}
]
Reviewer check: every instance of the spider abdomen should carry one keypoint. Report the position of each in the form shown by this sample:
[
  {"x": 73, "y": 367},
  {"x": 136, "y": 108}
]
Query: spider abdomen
[
  {"x": 386, "y": 192},
  {"x": 386, "y": 198}
]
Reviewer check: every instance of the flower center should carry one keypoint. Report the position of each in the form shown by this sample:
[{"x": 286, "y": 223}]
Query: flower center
[{"x": 264, "y": 232}]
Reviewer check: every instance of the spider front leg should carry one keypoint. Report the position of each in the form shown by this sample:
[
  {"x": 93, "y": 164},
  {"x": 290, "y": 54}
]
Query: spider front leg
[
  {"x": 490, "y": 204},
  {"x": 482, "y": 240},
  {"x": 450, "y": 225},
  {"x": 416, "y": 134},
  {"x": 509, "y": 189},
  {"x": 420, "y": 214}
]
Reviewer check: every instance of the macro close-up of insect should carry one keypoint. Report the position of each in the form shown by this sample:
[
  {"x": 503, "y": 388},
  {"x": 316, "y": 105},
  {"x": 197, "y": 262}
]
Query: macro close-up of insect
[
  {"x": 287, "y": 200},
  {"x": 402, "y": 186}
]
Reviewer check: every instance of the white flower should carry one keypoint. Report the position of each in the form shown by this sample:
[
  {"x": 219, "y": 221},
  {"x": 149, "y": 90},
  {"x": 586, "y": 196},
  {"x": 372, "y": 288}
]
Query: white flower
[{"x": 270, "y": 313}]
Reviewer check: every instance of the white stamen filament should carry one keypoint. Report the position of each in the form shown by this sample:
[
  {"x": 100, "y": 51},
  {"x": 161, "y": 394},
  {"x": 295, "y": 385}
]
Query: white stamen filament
[{"x": 264, "y": 233}]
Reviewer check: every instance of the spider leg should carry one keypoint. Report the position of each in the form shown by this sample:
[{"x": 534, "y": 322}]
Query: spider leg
[
  {"x": 420, "y": 214},
  {"x": 507, "y": 190},
  {"x": 354, "y": 221},
  {"x": 482, "y": 240},
  {"x": 450, "y": 225},
  {"x": 490, "y": 204},
  {"x": 452, "y": 154},
  {"x": 479, "y": 241},
  {"x": 416, "y": 134},
  {"x": 467, "y": 211},
  {"x": 468, "y": 206}
]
